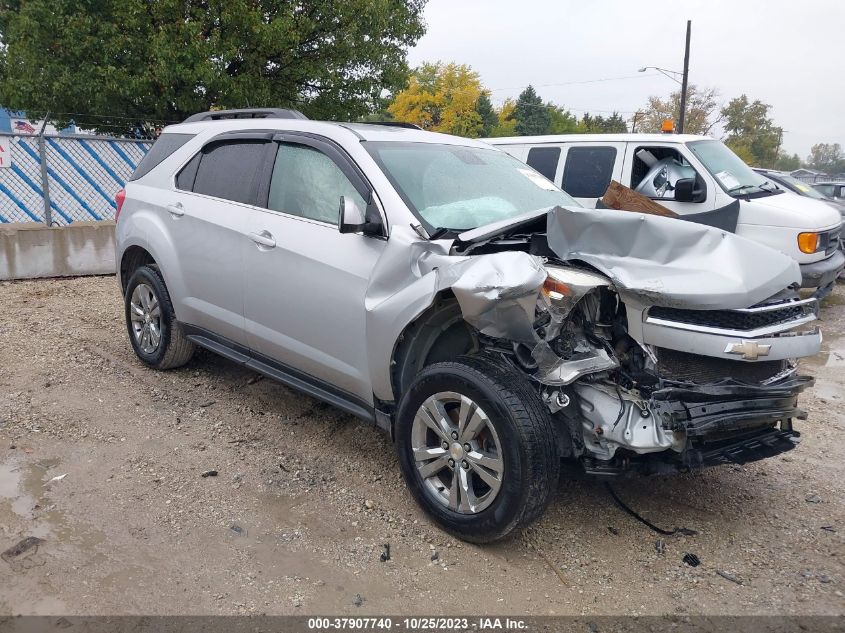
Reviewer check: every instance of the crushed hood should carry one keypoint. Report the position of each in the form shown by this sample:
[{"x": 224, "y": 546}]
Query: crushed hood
[{"x": 666, "y": 262}]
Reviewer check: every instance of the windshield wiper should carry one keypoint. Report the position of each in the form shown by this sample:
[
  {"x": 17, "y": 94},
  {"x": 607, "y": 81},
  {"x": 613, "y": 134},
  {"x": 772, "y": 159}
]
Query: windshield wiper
[{"x": 739, "y": 188}]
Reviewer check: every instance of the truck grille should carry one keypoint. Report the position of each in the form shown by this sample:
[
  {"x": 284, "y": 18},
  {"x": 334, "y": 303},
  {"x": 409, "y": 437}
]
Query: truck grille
[
  {"x": 729, "y": 319},
  {"x": 830, "y": 240},
  {"x": 682, "y": 366}
]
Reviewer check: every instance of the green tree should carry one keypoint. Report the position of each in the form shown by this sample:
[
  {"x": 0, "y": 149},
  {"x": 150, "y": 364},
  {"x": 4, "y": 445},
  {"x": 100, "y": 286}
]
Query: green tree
[
  {"x": 785, "y": 162},
  {"x": 600, "y": 125},
  {"x": 531, "y": 114},
  {"x": 562, "y": 120},
  {"x": 441, "y": 98},
  {"x": 826, "y": 157},
  {"x": 165, "y": 59},
  {"x": 752, "y": 134},
  {"x": 489, "y": 118},
  {"x": 702, "y": 111}
]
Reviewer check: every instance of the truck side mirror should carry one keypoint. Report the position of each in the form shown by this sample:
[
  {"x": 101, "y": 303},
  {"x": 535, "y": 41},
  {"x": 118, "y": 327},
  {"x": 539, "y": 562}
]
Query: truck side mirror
[
  {"x": 353, "y": 219},
  {"x": 685, "y": 191}
]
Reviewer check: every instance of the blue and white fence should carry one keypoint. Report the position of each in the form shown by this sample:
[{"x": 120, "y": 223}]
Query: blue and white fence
[{"x": 82, "y": 173}]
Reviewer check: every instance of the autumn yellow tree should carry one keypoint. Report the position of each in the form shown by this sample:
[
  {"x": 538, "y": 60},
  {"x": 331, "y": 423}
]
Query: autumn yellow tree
[
  {"x": 441, "y": 98},
  {"x": 507, "y": 119}
]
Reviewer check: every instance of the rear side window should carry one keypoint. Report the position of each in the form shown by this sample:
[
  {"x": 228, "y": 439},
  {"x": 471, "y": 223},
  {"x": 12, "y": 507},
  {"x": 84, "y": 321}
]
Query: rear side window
[
  {"x": 229, "y": 170},
  {"x": 588, "y": 171},
  {"x": 185, "y": 178},
  {"x": 544, "y": 160},
  {"x": 161, "y": 149}
]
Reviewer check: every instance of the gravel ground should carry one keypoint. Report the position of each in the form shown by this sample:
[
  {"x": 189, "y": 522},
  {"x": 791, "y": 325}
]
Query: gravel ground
[{"x": 103, "y": 460}]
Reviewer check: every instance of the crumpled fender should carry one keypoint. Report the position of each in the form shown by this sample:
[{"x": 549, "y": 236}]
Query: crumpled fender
[
  {"x": 660, "y": 261},
  {"x": 497, "y": 294}
]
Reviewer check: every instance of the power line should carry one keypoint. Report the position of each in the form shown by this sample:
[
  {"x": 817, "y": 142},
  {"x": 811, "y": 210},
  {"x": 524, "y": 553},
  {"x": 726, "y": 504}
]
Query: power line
[{"x": 575, "y": 83}]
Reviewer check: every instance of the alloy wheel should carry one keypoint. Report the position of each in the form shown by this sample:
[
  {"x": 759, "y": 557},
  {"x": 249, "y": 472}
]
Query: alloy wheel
[
  {"x": 457, "y": 452},
  {"x": 145, "y": 315}
]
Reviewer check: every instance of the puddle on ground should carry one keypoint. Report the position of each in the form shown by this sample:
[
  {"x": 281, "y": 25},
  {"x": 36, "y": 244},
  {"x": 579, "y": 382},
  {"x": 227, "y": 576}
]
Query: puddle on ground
[
  {"x": 22, "y": 485},
  {"x": 24, "y": 489}
]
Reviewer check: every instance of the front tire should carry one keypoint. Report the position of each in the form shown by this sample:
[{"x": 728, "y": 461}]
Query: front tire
[
  {"x": 477, "y": 447},
  {"x": 155, "y": 334}
]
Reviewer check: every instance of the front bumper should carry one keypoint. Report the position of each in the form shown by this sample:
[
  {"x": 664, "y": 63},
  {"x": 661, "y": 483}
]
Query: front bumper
[
  {"x": 822, "y": 274},
  {"x": 726, "y": 422}
]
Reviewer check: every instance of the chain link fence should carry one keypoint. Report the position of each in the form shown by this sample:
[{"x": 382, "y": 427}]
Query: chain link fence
[{"x": 59, "y": 179}]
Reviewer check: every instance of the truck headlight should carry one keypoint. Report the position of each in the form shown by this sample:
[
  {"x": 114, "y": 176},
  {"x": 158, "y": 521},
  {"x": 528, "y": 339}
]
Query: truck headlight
[{"x": 809, "y": 242}]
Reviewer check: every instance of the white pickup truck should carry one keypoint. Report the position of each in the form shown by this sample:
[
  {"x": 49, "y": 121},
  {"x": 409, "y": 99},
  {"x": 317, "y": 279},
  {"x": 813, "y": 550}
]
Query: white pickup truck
[{"x": 699, "y": 178}]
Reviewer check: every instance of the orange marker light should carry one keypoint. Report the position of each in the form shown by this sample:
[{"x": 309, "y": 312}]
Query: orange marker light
[
  {"x": 808, "y": 242},
  {"x": 554, "y": 287},
  {"x": 668, "y": 126}
]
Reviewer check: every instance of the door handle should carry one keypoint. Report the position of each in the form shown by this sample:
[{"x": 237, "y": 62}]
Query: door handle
[
  {"x": 176, "y": 210},
  {"x": 263, "y": 238}
]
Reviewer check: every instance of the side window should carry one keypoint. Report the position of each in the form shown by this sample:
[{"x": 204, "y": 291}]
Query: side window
[
  {"x": 655, "y": 171},
  {"x": 309, "y": 184},
  {"x": 544, "y": 160},
  {"x": 185, "y": 178},
  {"x": 161, "y": 149},
  {"x": 229, "y": 170},
  {"x": 588, "y": 171}
]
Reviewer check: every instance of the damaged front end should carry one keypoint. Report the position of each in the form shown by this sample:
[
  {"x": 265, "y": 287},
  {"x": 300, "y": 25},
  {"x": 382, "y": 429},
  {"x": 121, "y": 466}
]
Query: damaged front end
[
  {"x": 679, "y": 398},
  {"x": 637, "y": 379}
]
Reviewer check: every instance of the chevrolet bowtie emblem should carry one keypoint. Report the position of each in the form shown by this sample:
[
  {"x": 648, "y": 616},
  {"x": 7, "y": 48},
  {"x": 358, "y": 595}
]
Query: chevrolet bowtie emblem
[{"x": 749, "y": 350}]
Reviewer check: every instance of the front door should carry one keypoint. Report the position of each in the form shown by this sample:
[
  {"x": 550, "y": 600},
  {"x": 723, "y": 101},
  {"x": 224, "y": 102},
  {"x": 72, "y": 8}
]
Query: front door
[
  {"x": 305, "y": 281},
  {"x": 654, "y": 169}
]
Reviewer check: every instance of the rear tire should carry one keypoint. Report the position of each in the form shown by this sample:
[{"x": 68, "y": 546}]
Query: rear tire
[
  {"x": 155, "y": 334},
  {"x": 507, "y": 472}
]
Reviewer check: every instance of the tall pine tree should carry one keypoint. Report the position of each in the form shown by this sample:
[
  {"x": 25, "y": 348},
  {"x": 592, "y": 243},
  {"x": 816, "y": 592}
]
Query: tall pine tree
[{"x": 531, "y": 114}]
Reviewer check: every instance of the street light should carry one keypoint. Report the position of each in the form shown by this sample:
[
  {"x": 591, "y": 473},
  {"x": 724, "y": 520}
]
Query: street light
[
  {"x": 669, "y": 73},
  {"x": 683, "y": 81}
]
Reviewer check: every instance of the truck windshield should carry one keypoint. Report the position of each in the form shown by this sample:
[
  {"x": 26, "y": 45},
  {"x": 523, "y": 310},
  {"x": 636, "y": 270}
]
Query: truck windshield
[
  {"x": 460, "y": 188},
  {"x": 730, "y": 172}
]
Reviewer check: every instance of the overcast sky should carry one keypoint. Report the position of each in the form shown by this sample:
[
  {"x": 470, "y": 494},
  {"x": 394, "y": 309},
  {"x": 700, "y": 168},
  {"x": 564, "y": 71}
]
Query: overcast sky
[{"x": 788, "y": 54}]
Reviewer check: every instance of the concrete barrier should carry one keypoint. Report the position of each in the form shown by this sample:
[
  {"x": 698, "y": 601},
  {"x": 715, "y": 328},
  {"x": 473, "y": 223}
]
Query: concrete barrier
[{"x": 33, "y": 250}]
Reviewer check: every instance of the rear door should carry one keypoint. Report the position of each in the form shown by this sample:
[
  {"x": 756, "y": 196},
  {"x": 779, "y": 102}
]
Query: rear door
[
  {"x": 306, "y": 281},
  {"x": 208, "y": 219},
  {"x": 588, "y": 169}
]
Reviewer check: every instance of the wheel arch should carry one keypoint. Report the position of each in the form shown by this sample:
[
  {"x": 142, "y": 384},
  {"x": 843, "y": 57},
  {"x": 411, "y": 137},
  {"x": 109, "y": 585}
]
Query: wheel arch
[
  {"x": 437, "y": 334},
  {"x": 132, "y": 259}
]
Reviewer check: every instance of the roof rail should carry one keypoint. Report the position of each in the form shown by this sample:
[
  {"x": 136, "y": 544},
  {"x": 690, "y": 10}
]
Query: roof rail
[
  {"x": 246, "y": 113},
  {"x": 410, "y": 126}
]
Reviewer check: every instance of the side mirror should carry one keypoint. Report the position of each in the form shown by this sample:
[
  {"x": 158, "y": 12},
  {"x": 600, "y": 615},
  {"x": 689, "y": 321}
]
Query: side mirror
[
  {"x": 353, "y": 219},
  {"x": 685, "y": 191}
]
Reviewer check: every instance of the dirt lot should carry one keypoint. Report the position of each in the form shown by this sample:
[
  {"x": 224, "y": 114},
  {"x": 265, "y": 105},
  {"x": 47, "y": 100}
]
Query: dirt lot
[{"x": 103, "y": 460}]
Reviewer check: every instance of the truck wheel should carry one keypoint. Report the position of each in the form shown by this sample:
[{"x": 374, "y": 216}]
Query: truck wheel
[
  {"x": 155, "y": 334},
  {"x": 477, "y": 447}
]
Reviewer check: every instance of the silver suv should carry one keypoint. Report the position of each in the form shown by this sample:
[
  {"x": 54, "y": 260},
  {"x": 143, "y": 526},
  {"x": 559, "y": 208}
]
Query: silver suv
[{"x": 454, "y": 297}]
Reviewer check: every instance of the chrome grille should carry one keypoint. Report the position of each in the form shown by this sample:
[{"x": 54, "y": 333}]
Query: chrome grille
[{"x": 730, "y": 319}]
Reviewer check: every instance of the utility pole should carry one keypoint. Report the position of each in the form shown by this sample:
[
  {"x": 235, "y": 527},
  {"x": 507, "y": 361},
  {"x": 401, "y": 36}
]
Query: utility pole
[
  {"x": 684, "y": 82},
  {"x": 45, "y": 180}
]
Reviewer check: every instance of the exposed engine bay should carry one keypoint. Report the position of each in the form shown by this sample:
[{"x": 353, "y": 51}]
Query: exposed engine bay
[{"x": 639, "y": 381}]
